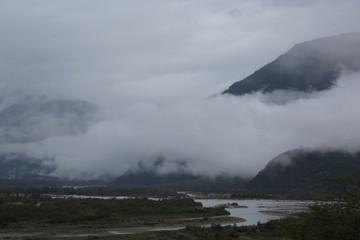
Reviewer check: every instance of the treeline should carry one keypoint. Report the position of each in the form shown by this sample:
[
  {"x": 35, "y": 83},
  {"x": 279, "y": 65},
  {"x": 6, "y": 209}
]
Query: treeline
[
  {"x": 335, "y": 219},
  {"x": 38, "y": 210},
  {"x": 338, "y": 219},
  {"x": 93, "y": 191},
  {"x": 277, "y": 194}
]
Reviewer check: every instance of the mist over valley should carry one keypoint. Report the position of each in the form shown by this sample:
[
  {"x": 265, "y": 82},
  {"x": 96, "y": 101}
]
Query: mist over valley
[{"x": 117, "y": 100}]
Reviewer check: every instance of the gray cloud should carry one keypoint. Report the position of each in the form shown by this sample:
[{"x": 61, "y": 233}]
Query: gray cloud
[
  {"x": 150, "y": 67},
  {"x": 220, "y": 134}
]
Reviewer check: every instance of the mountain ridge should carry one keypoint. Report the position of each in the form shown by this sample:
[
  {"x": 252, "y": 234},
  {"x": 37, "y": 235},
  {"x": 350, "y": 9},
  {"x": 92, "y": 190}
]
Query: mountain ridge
[
  {"x": 305, "y": 170},
  {"x": 309, "y": 66}
]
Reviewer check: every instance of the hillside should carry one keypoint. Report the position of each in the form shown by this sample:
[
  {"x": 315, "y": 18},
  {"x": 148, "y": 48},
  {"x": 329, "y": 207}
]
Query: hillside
[
  {"x": 149, "y": 174},
  {"x": 304, "y": 170},
  {"x": 310, "y": 66}
]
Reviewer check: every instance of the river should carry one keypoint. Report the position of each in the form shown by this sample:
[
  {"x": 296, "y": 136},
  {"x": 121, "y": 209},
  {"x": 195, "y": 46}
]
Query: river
[{"x": 253, "y": 210}]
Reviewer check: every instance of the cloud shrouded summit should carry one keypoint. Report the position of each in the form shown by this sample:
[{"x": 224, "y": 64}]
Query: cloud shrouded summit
[
  {"x": 149, "y": 67},
  {"x": 310, "y": 66}
]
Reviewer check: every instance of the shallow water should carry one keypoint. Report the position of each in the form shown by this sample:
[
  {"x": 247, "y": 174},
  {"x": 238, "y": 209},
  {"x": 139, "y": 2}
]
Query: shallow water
[{"x": 252, "y": 212}]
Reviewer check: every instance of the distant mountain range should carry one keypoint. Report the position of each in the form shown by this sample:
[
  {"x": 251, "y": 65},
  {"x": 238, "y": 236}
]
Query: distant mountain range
[
  {"x": 295, "y": 171},
  {"x": 307, "y": 67},
  {"x": 33, "y": 121},
  {"x": 38, "y": 120},
  {"x": 310, "y": 66},
  {"x": 18, "y": 170},
  {"x": 149, "y": 174},
  {"x": 20, "y": 166}
]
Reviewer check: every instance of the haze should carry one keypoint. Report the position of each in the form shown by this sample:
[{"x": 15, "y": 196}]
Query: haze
[{"x": 155, "y": 70}]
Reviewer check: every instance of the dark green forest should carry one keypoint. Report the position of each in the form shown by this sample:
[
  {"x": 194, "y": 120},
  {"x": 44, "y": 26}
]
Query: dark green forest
[{"x": 34, "y": 210}]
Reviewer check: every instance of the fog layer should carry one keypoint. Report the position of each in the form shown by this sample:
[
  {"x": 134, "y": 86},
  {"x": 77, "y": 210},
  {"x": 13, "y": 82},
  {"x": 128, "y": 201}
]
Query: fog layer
[
  {"x": 236, "y": 135},
  {"x": 150, "y": 67}
]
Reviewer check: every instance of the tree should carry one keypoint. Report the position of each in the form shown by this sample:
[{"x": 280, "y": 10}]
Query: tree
[{"x": 336, "y": 220}]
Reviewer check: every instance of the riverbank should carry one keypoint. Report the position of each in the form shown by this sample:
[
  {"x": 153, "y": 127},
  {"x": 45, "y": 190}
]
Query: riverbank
[
  {"x": 66, "y": 231},
  {"x": 38, "y": 217}
]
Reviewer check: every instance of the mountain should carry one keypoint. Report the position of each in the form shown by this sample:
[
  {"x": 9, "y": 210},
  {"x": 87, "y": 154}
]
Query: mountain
[
  {"x": 155, "y": 172},
  {"x": 304, "y": 170},
  {"x": 18, "y": 166},
  {"x": 310, "y": 66},
  {"x": 152, "y": 174},
  {"x": 19, "y": 170},
  {"x": 180, "y": 181},
  {"x": 136, "y": 178},
  {"x": 38, "y": 120}
]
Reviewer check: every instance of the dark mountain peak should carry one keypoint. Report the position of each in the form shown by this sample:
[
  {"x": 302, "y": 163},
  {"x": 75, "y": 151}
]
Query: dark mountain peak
[{"x": 309, "y": 66}]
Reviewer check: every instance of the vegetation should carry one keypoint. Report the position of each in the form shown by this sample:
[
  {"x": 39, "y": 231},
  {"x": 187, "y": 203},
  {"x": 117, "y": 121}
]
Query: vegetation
[
  {"x": 94, "y": 191},
  {"x": 34, "y": 211},
  {"x": 322, "y": 222},
  {"x": 215, "y": 232},
  {"x": 338, "y": 218},
  {"x": 307, "y": 172}
]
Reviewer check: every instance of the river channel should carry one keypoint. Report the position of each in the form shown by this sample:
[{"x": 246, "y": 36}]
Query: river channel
[
  {"x": 253, "y": 211},
  {"x": 259, "y": 210}
]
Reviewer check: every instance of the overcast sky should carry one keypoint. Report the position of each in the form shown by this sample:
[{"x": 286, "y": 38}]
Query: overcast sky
[{"x": 151, "y": 67}]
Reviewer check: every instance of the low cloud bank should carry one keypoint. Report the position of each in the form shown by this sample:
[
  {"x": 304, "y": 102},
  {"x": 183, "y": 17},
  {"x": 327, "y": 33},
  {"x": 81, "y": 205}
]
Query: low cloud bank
[
  {"x": 150, "y": 67},
  {"x": 222, "y": 134}
]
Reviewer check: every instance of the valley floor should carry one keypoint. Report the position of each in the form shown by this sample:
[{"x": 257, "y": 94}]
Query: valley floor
[{"x": 76, "y": 232}]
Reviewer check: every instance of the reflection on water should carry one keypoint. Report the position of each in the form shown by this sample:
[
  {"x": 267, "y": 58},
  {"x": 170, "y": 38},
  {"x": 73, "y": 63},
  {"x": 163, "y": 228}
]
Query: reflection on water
[{"x": 252, "y": 212}]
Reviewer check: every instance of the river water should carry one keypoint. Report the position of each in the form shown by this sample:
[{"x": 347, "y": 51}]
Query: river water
[{"x": 253, "y": 209}]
